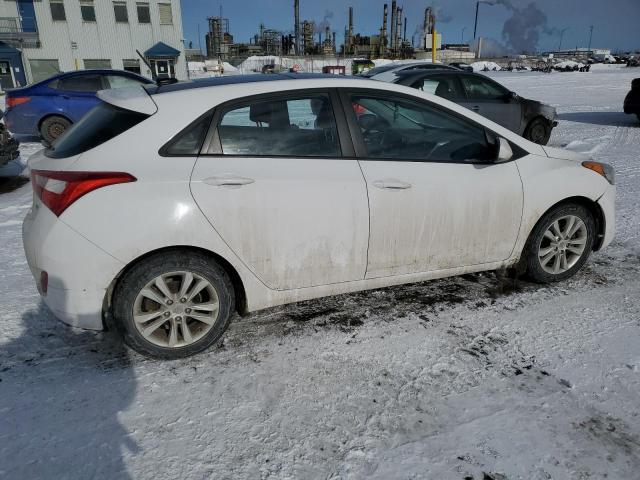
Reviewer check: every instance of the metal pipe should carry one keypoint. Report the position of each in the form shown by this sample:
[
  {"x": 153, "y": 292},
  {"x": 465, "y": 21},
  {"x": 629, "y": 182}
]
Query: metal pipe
[{"x": 475, "y": 28}]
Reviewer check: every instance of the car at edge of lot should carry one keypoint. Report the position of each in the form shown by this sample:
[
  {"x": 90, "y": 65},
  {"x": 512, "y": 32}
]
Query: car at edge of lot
[
  {"x": 166, "y": 209},
  {"x": 47, "y": 108},
  {"x": 462, "y": 66},
  {"x": 388, "y": 72},
  {"x": 632, "y": 100},
  {"x": 529, "y": 118}
]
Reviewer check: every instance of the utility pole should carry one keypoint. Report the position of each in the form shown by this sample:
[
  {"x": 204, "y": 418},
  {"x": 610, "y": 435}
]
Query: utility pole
[
  {"x": 462, "y": 36},
  {"x": 475, "y": 28},
  {"x": 590, "y": 37}
]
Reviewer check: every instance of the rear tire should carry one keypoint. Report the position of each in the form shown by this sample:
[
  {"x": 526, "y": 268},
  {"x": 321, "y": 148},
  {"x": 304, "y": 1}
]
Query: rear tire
[
  {"x": 173, "y": 305},
  {"x": 538, "y": 131},
  {"x": 559, "y": 244},
  {"x": 54, "y": 126}
]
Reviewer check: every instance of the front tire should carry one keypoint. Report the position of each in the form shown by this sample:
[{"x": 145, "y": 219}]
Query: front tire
[
  {"x": 559, "y": 244},
  {"x": 538, "y": 131},
  {"x": 53, "y": 127},
  {"x": 173, "y": 305}
]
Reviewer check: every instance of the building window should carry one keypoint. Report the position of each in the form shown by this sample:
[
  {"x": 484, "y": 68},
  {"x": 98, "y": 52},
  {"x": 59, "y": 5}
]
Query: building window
[
  {"x": 43, "y": 69},
  {"x": 100, "y": 64},
  {"x": 143, "y": 12},
  {"x": 120, "y": 11},
  {"x": 87, "y": 10},
  {"x": 166, "y": 17},
  {"x": 131, "y": 66},
  {"x": 57, "y": 11}
]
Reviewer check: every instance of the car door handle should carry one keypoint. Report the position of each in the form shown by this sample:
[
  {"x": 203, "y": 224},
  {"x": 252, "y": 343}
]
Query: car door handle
[
  {"x": 228, "y": 180},
  {"x": 391, "y": 184},
  {"x": 475, "y": 108}
]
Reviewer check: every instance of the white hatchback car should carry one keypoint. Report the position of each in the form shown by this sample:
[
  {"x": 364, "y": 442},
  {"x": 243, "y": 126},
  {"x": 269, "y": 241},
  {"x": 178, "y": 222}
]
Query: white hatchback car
[{"x": 169, "y": 208}]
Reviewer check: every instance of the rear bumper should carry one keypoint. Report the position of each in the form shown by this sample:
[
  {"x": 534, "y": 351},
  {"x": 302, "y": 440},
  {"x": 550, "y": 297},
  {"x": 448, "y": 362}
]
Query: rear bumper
[
  {"x": 608, "y": 204},
  {"x": 79, "y": 272}
]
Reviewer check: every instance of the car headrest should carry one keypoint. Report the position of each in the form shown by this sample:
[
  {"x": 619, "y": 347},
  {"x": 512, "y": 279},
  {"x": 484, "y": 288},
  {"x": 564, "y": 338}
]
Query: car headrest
[
  {"x": 443, "y": 90},
  {"x": 275, "y": 114}
]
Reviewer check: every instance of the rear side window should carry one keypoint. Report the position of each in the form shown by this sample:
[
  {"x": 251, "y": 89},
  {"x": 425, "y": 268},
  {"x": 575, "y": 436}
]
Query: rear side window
[
  {"x": 300, "y": 127},
  {"x": 80, "y": 83},
  {"x": 99, "y": 125},
  {"x": 190, "y": 140},
  {"x": 442, "y": 86}
]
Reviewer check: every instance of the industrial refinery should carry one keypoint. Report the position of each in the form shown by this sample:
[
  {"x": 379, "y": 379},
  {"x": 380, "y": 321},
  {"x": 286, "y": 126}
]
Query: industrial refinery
[{"x": 318, "y": 39}]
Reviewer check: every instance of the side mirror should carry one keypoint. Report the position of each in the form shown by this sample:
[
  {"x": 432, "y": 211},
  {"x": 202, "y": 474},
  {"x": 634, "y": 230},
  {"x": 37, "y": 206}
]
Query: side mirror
[
  {"x": 505, "y": 153},
  {"x": 510, "y": 96}
]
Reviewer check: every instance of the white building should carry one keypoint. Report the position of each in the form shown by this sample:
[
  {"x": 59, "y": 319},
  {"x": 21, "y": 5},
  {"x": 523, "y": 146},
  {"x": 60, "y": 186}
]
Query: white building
[{"x": 39, "y": 38}]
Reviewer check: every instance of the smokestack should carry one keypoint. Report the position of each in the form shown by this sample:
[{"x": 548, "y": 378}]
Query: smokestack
[
  {"x": 398, "y": 27},
  {"x": 296, "y": 28},
  {"x": 348, "y": 41},
  {"x": 394, "y": 24},
  {"x": 404, "y": 37},
  {"x": 333, "y": 40},
  {"x": 383, "y": 31}
]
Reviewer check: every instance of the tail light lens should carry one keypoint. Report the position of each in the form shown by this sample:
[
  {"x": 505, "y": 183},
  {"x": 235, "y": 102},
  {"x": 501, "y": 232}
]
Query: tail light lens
[
  {"x": 13, "y": 101},
  {"x": 58, "y": 190}
]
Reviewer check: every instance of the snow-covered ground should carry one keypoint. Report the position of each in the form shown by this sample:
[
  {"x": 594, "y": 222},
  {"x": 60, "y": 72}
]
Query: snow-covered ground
[{"x": 448, "y": 379}]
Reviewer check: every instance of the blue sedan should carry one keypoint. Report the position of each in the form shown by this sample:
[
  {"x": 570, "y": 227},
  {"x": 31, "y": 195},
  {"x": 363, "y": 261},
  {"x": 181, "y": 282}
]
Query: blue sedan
[{"x": 47, "y": 108}]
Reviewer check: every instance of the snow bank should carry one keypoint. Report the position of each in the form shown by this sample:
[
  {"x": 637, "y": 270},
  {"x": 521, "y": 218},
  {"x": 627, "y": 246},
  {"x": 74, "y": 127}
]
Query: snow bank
[{"x": 484, "y": 66}]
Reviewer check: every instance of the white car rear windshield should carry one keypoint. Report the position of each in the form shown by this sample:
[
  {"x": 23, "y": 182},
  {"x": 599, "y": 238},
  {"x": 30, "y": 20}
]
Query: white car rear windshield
[{"x": 98, "y": 126}]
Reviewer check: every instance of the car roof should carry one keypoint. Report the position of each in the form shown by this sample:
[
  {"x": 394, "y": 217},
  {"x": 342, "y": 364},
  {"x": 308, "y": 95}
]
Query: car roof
[
  {"x": 102, "y": 72},
  {"x": 237, "y": 79}
]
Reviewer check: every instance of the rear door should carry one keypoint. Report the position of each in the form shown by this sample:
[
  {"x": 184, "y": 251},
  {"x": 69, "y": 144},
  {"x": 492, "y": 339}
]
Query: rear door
[
  {"x": 436, "y": 202},
  {"x": 284, "y": 190},
  {"x": 491, "y": 100},
  {"x": 77, "y": 94}
]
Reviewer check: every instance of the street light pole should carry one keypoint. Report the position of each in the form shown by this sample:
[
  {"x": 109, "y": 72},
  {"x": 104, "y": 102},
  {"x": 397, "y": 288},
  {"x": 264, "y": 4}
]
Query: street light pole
[
  {"x": 561, "y": 35},
  {"x": 475, "y": 28},
  {"x": 590, "y": 37}
]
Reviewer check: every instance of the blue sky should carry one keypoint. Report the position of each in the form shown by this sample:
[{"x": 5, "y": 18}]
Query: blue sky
[{"x": 615, "y": 21}]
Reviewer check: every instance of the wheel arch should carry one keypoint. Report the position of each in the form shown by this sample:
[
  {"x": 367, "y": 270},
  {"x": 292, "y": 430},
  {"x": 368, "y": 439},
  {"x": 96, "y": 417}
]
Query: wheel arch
[
  {"x": 54, "y": 114},
  {"x": 236, "y": 281},
  {"x": 591, "y": 205}
]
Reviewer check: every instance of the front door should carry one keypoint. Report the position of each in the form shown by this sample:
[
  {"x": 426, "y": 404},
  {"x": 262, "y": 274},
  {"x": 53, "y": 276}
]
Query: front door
[
  {"x": 436, "y": 202},
  {"x": 164, "y": 68},
  {"x": 275, "y": 187},
  {"x": 78, "y": 94},
  {"x": 491, "y": 100}
]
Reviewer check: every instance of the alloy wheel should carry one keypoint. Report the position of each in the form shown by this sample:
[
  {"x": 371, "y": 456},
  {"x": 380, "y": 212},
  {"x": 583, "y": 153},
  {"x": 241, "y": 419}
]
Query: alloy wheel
[
  {"x": 176, "y": 309},
  {"x": 562, "y": 244}
]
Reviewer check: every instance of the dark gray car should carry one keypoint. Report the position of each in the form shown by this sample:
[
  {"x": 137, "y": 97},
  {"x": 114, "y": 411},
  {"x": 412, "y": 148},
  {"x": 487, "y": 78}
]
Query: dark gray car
[{"x": 531, "y": 119}]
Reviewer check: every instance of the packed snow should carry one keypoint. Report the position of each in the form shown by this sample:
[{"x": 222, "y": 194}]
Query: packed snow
[
  {"x": 450, "y": 379},
  {"x": 483, "y": 66}
]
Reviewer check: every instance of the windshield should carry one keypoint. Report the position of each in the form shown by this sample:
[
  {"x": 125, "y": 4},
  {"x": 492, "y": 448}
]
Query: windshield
[{"x": 100, "y": 125}]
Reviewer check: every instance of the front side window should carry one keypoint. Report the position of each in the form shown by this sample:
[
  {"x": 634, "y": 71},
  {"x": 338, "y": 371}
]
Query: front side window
[
  {"x": 301, "y": 127},
  {"x": 99, "y": 125},
  {"x": 166, "y": 16},
  {"x": 57, "y": 11},
  {"x": 87, "y": 10},
  {"x": 120, "y": 12},
  {"x": 80, "y": 83},
  {"x": 480, "y": 89},
  {"x": 406, "y": 130},
  {"x": 143, "y": 12}
]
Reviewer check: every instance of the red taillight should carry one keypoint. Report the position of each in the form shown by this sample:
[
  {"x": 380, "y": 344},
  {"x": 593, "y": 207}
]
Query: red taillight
[
  {"x": 58, "y": 190},
  {"x": 13, "y": 101}
]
